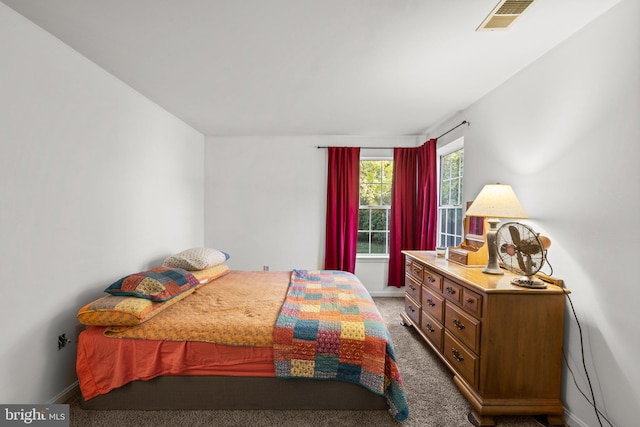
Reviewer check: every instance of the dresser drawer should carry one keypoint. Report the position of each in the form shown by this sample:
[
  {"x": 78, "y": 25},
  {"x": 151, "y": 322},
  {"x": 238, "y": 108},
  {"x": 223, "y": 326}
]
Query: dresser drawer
[
  {"x": 452, "y": 291},
  {"x": 459, "y": 256},
  {"x": 433, "y": 330},
  {"x": 433, "y": 280},
  {"x": 463, "y": 326},
  {"x": 462, "y": 360},
  {"x": 472, "y": 302},
  {"x": 414, "y": 269},
  {"x": 433, "y": 304},
  {"x": 412, "y": 309},
  {"x": 412, "y": 287}
]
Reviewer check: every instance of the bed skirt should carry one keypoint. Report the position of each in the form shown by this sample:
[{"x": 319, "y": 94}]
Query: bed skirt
[{"x": 234, "y": 393}]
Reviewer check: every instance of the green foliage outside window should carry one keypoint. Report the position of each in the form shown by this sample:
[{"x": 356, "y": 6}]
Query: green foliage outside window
[
  {"x": 450, "y": 205},
  {"x": 375, "y": 202}
]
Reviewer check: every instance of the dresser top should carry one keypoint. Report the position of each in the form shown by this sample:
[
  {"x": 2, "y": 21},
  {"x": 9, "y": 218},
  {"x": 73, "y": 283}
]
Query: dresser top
[{"x": 474, "y": 276}]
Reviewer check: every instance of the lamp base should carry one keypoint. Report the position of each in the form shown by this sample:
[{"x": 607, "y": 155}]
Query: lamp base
[
  {"x": 492, "y": 270},
  {"x": 492, "y": 264}
]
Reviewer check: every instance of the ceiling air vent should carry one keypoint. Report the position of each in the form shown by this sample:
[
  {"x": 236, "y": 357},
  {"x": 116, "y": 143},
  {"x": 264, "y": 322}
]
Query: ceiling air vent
[{"x": 503, "y": 15}]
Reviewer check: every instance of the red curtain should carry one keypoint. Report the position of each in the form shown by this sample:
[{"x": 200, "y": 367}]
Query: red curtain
[
  {"x": 414, "y": 206},
  {"x": 427, "y": 207},
  {"x": 402, "y": 221},
  {"x": 343, "y": 200}
]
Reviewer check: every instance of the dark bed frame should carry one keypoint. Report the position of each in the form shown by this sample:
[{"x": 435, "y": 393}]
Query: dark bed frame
[{"x": 216, "y": 392}]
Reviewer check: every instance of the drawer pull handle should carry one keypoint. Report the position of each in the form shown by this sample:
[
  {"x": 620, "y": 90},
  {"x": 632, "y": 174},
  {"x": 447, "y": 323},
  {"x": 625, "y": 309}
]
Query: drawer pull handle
[
  {"x": 458, "y": 324},
  {"x": 470, "y": 300},
  {"x": 457, "y": 355},
  {"x": 431, "y": 279},
  {"x": 450, "y": 290},
  {"x": 431, "y": 303},
  {"x": 411, "y": 308},
  {"x": 413, "y": 288},
  {"x": 429, "y": 328},
  {"x": 416, "y": 271}
]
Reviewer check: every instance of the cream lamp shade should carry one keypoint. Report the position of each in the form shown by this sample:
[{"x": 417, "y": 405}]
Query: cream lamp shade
[
  {"x": 497, "y": 201},
  {"x": 493, "y": 202}
]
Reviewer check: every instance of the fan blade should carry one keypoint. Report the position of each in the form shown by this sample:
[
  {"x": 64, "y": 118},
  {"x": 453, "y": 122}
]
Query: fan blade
[
  {"x": 529, "y": 248},
  {"x": 521, "y": 263},
  {"x": 515, "y": 235}
]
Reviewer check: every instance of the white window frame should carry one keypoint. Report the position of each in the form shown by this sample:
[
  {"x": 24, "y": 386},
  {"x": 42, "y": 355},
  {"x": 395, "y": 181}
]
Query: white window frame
[
  {"x": 449, "y": 148},
  {"x": 363, "y": 256}
]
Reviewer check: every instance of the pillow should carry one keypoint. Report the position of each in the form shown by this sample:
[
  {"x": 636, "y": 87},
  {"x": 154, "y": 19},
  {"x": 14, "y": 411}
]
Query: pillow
[
  {"x": 157, "y": 284},
  {"x": 196, "y": 259},
  {"x": 114, "y": 310},
  {"x": 208, "y": 274}
]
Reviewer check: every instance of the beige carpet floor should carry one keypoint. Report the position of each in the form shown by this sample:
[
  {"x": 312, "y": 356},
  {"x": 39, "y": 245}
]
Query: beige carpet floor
[{"x": 434, "y": 400}]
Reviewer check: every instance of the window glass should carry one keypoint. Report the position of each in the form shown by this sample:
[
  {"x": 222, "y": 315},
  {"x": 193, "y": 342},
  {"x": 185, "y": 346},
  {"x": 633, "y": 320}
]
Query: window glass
[
  {"x": 451, "y": 167},
  {"x": 375, "y": 203}
]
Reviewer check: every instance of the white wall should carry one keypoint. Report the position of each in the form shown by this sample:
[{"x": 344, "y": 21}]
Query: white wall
[
  {"x": 565, "y": 134},
  {"x": 266, "y": 199},
  {"x": 96, "y": 182}
]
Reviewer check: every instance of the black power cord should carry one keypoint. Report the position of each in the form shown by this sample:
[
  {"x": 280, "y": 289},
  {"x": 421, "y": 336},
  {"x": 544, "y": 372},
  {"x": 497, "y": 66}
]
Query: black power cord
[
  {"x": 584, "y": 365},
  {"x": 592, "y": 402}
]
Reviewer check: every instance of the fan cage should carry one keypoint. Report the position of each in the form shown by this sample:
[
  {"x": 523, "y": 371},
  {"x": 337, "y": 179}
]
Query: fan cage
[{"x": 506, "y": 261}]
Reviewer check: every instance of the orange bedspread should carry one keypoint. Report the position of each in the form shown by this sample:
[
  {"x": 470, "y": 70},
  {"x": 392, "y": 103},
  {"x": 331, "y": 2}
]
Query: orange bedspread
[
  {"x": 223, "y": 328},
  {"x": 239, "y": 308}
]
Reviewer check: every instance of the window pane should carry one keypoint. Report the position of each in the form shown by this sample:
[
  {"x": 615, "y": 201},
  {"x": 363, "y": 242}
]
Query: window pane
[
  {"x": 386, "y": 195},
  {"x": 455, "y": 164},
  {"x": 458, "y": 222},
  {"x": 451, "y": 221},
  {"x": 378, "y": 219},
  {"x": 370, "y": 194},
  {"x": 370, "y": 170},
  {"x": 445, "y": 168},
  {"x": 378, "y": 243},
  {"x": 387, "y": 171},
  {"x": 363, "y": 243},
  {"x": 445, "y": 196},
  {"x": 363, "y": 219},
  {"x": 455, "y": 192}
]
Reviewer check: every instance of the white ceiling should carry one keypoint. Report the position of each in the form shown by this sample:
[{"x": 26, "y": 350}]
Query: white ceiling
[{"x": 308, "y": 67}]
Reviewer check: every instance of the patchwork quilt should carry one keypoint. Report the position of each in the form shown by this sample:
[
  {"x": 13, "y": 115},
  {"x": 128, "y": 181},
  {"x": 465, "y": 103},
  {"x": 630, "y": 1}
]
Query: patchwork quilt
[{"x": 330, "y": 328}]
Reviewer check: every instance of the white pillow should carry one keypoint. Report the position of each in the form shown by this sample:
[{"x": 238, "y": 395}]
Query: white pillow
[{"x": 196, "y": 259}]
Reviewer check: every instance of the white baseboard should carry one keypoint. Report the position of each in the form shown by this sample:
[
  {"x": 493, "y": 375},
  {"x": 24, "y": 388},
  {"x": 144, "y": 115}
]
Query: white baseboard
[
  {"x": 65, "y": 395},
  {"x": 399, "y": 294},
  {"x": 572, "y": 420}
]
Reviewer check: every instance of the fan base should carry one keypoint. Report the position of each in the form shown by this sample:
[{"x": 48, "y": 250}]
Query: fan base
[{"x": 529, "y": 282}]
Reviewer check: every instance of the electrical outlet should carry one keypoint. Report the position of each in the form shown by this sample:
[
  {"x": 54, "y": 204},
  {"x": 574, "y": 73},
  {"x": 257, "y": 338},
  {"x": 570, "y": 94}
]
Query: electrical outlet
[
  {"x": 265, "y": 267},
  {"x": 63, "y": 341}
]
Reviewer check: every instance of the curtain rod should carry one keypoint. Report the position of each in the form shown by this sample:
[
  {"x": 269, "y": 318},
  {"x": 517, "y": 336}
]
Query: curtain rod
[{"x": 464, "y": 122}]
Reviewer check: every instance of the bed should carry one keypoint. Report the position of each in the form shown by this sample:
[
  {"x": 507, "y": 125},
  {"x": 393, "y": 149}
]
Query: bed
[{"x": 248, "y": 340}]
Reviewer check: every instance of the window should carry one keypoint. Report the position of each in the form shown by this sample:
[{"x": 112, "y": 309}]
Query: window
[
  {"x": 375, "y": 203},
  {"x": 450, "y": 226}
]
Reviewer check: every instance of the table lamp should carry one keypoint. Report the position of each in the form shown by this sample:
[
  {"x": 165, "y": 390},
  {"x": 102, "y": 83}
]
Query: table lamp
[{"x": 493, "y": 202}]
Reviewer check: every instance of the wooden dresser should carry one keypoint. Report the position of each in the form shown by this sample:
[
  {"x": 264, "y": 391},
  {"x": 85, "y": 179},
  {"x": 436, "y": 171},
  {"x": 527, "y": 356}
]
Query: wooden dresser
[{"x": 502, "y": 342}]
